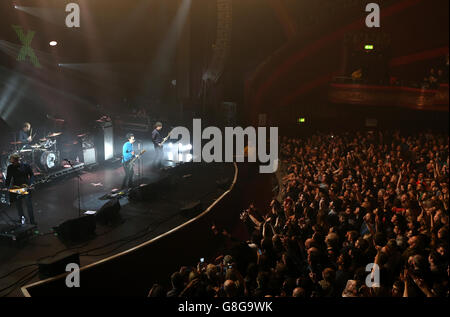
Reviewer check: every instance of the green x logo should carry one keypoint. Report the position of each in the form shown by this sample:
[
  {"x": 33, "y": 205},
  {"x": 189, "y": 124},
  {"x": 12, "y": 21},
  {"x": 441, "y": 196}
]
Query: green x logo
[{"x": 26, "y": 49}]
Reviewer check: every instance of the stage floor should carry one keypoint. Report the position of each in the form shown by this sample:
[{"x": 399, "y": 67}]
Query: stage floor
[{"x": 56, "y": 202}]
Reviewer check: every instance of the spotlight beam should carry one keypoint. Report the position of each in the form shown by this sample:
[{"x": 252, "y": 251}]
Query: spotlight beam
[
  {"x": 52, "y": 15},
  {"x": 167, "y": 50}
]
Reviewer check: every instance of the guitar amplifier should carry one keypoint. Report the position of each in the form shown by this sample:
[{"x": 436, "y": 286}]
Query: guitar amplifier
[
  {"x": 89, "y": 156},
  {"x": 104, "y": 141}
]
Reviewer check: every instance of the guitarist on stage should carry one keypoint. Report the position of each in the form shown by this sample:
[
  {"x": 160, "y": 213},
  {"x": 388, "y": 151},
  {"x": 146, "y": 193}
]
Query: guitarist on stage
[
  {"x": 158, "y": 144},
  {"x": 127, "y": 161},
  {"x": 20, "y": 175}
]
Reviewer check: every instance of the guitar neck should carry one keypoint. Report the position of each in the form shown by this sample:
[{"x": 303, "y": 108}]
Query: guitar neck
[
  {"x": 166, "y": 138},
  {"x": 137, "y": 156}
]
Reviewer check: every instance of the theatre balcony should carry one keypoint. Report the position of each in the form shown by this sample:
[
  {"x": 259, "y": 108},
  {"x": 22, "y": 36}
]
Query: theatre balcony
[{"x": 389, "y": 96}]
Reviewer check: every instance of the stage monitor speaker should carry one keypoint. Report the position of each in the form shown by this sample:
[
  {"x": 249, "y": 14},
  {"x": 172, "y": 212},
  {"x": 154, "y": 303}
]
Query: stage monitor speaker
[
  {"x": 191, "y": 209},
  {"x": 57, "y": 265},
  {"x": 78, "y": 229},
  {"x": 109, "y": 214},
  {"x": 144, "y": 193},
  {"x": 150, "y": 191},
  {"x": 136, "y": 194}
]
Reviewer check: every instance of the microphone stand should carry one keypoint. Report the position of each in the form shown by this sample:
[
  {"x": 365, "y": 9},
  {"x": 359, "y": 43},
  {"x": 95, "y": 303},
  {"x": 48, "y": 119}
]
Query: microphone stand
[
  {"x": 15, "y": 142},
  {"x": 139, "y": 175},
  {"x": 140, "y": 164},
  {"x": 78, "y": 187}
]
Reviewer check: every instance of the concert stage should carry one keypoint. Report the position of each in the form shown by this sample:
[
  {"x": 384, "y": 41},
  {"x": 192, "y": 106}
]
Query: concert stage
[{"x": 171, "y": 190}]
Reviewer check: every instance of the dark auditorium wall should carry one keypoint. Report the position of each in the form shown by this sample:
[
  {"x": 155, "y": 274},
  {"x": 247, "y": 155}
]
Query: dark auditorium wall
[
  {"x": 113, "y": 52},
  {"x": 422, "y": 31},
  {"x": 299, "y": 75}
]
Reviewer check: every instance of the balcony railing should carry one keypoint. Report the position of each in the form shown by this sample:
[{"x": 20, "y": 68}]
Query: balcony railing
[{"x": 390, "y": 96}]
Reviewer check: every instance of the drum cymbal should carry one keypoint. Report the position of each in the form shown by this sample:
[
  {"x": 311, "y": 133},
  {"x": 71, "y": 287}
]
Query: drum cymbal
[
  {"x": 43, "y": 140},
  {"x": 16, "y": 143},
  {"x": 54, "y": 135},
  {"x": 36, "y": 146}
]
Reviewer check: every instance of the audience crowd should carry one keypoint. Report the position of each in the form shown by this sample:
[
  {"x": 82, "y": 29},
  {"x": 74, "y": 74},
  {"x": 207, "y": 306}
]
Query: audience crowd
[
  {"x": 357, "y": 215},
  {"x": 434, "y": 79}
]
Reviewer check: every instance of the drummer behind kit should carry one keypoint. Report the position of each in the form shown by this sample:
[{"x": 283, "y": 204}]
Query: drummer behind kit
[{"x": 43, "y": 155}]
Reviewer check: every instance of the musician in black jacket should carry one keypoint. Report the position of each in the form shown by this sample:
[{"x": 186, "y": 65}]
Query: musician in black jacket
[
  {"x": 20, "y": 175},
  {"x": 157, "y": 143}
]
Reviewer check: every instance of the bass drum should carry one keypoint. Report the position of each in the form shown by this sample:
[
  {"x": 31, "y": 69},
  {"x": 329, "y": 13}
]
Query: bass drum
[{"x": 48, "y": 160}]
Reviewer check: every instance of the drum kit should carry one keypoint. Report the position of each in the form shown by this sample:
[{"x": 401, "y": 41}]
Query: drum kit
[{"x": 43, "y": 155}]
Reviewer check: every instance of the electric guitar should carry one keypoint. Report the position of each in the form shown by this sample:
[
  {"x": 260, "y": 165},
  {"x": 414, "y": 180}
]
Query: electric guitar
[
  {"x": 165, "y": 139},
  {"x": 21, "y": 191},
  {"x": 136, "y": 157}
]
